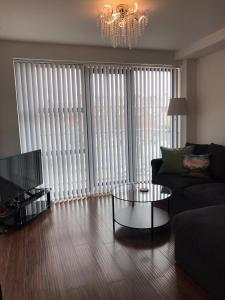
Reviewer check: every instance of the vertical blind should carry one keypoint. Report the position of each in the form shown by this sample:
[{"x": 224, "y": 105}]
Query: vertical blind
[
  {"x": 51, "y": 118},
  {"x": 97, "y": 125},
  {"x": 152, "y": 128},
  {"x": 109, "y": 126}
]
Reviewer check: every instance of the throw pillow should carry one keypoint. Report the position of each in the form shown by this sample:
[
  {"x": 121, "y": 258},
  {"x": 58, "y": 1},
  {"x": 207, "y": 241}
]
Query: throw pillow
[
  {"x": 173, "y": 159},
  {"x": 196, "y": 165}
]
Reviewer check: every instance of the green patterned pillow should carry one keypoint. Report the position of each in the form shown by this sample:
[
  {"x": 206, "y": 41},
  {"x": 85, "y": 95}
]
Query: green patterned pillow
[
  {"x": 196, "y": 165},
  {"x": 173, "y": 159}
]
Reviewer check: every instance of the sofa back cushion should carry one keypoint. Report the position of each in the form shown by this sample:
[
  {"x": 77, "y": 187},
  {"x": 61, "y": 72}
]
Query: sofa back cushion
[
  {"x": 217, "y": 161},
  {"x": 199, "y": 149}
]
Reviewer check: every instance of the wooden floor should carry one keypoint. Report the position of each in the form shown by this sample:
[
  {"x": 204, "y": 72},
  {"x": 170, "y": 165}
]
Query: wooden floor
[{"x": 71, "y": 253}]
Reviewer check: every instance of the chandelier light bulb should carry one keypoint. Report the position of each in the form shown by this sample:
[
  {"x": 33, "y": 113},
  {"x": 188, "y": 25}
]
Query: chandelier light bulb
[{"x": 122, "y": 26}]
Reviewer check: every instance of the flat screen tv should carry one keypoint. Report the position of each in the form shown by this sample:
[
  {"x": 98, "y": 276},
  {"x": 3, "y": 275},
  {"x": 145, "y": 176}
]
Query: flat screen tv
[{"x": 18, "y": 174}]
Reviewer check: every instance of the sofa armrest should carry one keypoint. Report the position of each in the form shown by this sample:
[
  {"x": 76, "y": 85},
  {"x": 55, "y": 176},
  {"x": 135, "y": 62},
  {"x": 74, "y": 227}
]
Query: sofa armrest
[{"x": 156, "y": 165}]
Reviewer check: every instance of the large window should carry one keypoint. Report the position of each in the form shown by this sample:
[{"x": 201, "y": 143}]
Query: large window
[{"x": 97, "y": 125}]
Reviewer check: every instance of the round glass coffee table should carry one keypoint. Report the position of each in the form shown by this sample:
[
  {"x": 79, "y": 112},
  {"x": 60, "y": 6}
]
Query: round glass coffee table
[{"x": 139, "y": 211}]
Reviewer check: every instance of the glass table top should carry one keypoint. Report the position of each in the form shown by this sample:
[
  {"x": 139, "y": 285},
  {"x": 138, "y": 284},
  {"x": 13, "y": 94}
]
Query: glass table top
[{"x": 141, "y": 192}]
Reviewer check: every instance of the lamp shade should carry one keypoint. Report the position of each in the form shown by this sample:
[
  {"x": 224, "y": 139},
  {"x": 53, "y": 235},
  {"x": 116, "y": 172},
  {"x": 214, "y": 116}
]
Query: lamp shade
[{"x": 177, "y": 107}]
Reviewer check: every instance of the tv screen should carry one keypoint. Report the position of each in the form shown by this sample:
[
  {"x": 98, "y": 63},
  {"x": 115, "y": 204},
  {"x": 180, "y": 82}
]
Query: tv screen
[{"x": 19, "y": 173}]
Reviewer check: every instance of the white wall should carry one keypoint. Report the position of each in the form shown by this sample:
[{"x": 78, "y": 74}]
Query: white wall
[
  {"x": 188, "y": 90},
  {"x": 210, "y": 106},
  {"x": 9, "y": 132}
]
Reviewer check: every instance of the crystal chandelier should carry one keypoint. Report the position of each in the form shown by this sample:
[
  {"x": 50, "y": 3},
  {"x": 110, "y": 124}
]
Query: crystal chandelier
[{"x": 122, "y": 26}]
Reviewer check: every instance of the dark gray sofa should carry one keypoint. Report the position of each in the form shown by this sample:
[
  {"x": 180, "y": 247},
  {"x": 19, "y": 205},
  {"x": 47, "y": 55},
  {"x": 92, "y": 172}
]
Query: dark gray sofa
[
  {"x": 199, "y": 227},
  {"x": 200, "y": 247},
  {"x": 192, "y": 192}
]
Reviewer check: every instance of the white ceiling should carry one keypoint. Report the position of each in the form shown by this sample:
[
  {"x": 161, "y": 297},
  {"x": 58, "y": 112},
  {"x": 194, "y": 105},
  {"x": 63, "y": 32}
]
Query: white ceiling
[{"x": 173, "y": 23}]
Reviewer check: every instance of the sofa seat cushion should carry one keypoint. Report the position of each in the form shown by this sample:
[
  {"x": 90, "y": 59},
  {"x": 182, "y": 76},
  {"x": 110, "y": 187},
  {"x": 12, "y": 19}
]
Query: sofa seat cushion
[
  {"x": 201, "y": 233},
  {"x": 178, "y": 183},
  {"x": 206, "y": 194}
]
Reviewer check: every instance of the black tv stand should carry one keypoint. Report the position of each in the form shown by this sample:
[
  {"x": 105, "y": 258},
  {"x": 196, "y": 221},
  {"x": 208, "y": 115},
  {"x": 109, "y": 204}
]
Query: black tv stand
[{"x": 27, "y": 207}]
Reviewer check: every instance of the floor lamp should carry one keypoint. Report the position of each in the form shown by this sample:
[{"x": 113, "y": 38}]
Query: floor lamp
[{"x": 177, "y": 107}]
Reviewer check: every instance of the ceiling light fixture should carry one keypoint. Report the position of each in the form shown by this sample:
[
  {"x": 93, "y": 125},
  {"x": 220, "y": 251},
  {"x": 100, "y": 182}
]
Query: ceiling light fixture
[{"x": 122, "y": 26}]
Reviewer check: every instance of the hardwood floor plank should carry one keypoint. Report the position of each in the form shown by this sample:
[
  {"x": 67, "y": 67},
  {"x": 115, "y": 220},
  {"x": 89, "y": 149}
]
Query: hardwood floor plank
[
  {"x": 129, "y": 268},
  {"x": 15, "y": 275},
  {"x": 106, "y": 263}
]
